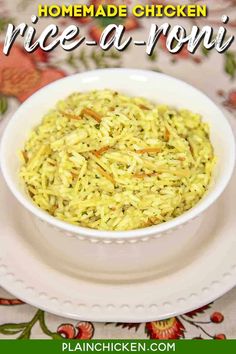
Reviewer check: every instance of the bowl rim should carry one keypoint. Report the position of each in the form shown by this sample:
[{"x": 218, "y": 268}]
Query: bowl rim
[{"x": 109, "y": 234}]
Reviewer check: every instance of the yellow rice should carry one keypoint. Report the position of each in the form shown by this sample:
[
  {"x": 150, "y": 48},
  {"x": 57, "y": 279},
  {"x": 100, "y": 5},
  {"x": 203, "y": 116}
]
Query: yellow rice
[{"x": 107, "y": 161}]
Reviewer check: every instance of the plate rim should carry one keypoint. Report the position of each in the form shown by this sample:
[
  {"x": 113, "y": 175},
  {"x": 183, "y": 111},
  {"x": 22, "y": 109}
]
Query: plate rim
[{"x": 17, "y": 285}]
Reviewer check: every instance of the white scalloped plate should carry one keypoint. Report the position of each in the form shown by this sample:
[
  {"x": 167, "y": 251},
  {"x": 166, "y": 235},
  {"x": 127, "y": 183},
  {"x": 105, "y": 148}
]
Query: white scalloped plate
[{"x": 28, "y": 273}]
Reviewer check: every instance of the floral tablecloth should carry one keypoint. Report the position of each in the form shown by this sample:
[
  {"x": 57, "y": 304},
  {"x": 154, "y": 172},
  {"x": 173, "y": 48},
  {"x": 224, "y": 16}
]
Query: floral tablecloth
[{"x": 22, "y": 74}]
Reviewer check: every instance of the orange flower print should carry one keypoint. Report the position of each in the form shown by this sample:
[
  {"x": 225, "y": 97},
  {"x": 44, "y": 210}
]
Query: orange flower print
[
  {"x": 10, "y": 302},
  {"x": 229, "y": 99},
  {"x": 82, "y": 330},
  {"x": 40, "y": 56},
  {"x": 196, "y": 312},
  {"x": 220, "y": 336},
  {"x": 232, "y": 99},
  {"x": 171, "y": 328},
  {"x": 20, "y": 75}
]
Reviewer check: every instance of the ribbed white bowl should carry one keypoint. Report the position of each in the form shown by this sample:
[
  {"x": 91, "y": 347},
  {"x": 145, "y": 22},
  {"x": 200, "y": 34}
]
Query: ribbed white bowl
[{"x": 94, "y": 246}]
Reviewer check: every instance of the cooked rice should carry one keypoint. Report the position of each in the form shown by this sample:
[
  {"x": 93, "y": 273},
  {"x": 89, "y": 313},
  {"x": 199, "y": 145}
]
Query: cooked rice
[{"x": 107, "y": 161}]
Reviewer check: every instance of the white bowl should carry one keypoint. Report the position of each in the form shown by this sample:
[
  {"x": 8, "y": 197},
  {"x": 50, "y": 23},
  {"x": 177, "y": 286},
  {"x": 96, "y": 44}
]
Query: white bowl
[{"x": 158, "y": 88}]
